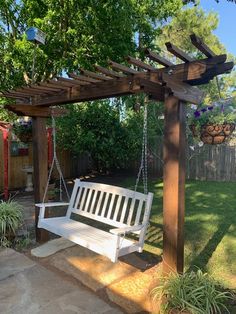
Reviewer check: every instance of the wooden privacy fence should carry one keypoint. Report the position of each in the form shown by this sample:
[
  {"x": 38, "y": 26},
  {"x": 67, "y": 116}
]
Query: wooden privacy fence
[
  {"x": 209, "y": 162},
  {"x": 212, "y": 163},
  {"x": 71, "y": 166}
]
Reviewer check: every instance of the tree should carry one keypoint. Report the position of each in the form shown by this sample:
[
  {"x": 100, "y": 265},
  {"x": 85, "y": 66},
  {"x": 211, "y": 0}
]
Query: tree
[
  {"x": 79, "y": 34},
  {"x": 188, "y": 21},
  {"x": 95, "y": 128},
  {"x": 196, "y": 20}
]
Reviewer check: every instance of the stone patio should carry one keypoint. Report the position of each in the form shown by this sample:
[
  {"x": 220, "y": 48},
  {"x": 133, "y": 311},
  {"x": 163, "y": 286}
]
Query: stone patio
[
  {"x": 124, "y": 282},
  {"x": 27, "y": 287},
  {"x": 127, "y": 283}
]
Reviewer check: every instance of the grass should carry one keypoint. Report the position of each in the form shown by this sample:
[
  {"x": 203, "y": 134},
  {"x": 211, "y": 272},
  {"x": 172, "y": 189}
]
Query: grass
[{"x": 210, "y": 227}]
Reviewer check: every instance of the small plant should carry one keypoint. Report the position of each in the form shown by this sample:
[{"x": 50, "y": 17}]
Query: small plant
[
  {"x": 10, "y": 220},
  {"x": 191, "y": 293},
  {"x": 217, "y": 113},
  {"x": 22, "y": 243}
]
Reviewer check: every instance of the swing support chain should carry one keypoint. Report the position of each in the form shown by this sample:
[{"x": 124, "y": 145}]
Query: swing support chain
[
  {"x": 55, "y": 162},
  {"x": 143, "y": 163}
]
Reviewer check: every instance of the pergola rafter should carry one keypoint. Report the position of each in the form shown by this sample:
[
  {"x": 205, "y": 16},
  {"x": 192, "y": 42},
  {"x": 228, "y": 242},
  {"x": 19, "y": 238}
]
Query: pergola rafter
[
  {"x": 157, "y": 58},
  {"x": 175, "y": 84},
  {"x": 178, "y": 52},
  {"x": 122, "y": 80}
]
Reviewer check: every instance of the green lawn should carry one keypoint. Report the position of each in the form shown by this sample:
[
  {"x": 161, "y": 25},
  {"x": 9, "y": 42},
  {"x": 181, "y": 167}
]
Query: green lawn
[{"x": 210, "y": 227}]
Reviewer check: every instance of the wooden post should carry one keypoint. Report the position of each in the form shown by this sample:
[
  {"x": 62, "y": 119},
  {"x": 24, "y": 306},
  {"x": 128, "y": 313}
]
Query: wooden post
[
  {"x": 40, "y": 163},
  {"x": 174, "y": 185}
]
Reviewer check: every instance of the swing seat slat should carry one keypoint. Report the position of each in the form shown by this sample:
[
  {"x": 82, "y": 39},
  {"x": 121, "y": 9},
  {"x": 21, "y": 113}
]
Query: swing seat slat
[{"x": 126, "y": 210}]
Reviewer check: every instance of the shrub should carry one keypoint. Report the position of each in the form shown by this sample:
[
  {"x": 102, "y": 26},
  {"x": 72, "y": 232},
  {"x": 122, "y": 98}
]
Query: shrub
[
  {"x": 95, "y": 128},
  {"x": 192, "y": 292},
  {"x": 10, "y": 220}
]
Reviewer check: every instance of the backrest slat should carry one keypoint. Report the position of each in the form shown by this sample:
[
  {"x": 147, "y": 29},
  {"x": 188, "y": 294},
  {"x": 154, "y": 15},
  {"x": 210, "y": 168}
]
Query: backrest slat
[
  {"x": 131, "y": 210},
  {"x": 78, "y": 196},
  {"x": 105, "y": 205},
  {"x": 81, "y": 206},
  {"x": 93, "y": 201},
  {"x": 138, "y": 214},
  {"x": 110, "y": 206},
  {"x": 99, "y": 203},
  {"x": 124, "y": 209},
  {"x": 117, "y": 208},
  {"x": 88, "y": 200}
]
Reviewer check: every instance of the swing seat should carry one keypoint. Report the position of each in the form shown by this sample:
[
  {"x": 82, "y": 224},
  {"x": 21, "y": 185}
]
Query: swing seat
[{"x": 126, "y": 210}]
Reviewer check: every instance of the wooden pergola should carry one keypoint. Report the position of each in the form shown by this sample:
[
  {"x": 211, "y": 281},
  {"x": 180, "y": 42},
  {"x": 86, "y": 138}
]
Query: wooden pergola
[{"x": 175, "y": 85}]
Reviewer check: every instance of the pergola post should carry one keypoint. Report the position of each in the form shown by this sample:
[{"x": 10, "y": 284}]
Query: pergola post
[
  {"x": 174, "y": 185},
  {"x": 40, "y": 164}
]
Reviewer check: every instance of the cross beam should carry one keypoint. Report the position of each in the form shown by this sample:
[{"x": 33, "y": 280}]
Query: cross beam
[
  {"x": 85, "y": 87},
  {"x": 32, "y": 111},
  {"x": 145, "y": 82}
]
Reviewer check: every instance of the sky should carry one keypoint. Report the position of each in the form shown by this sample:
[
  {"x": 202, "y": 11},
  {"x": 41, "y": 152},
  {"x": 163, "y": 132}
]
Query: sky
[{"x": 227, "y": 20}]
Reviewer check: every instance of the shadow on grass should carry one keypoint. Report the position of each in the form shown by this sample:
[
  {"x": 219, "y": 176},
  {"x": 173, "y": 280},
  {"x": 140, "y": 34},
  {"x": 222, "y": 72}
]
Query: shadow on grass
[
  {"x": 202, "y": 259},
  {"x": 154, "y": 235},
  {"x": 210, "y": 214}
]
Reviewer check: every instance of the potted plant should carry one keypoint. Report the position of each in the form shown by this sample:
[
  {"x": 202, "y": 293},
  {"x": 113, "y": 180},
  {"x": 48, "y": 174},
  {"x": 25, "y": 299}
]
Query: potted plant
[
  {"x": 213, "y": 124},
  {"x": 22, "y": 128},
  {"x": 191, "y": 293},
  {"x": 10, "y": 220}
]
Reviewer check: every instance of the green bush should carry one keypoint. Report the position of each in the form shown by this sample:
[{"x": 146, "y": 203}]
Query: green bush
[
  {"x": 10, "y": 220},
  {"x": 95, "y": 128},
  {"x": 113, "y": 141},
  {"x": 192, "y": 292}
]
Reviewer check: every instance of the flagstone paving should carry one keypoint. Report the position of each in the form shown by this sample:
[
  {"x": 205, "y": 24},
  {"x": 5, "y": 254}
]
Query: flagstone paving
[{"x": 27, "y": 287}]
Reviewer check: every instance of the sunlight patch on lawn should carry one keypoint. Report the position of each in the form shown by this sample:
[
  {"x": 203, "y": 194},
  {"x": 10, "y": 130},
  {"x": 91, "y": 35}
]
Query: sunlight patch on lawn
[{"x": 210, "y": 227}]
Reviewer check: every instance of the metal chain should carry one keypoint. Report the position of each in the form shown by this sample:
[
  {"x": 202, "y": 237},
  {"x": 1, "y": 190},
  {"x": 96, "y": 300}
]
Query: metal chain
[
  {"x": 218, "y": 87},
  {"x": 58, "y": 167},
  {"x": 143, "y": 163}
]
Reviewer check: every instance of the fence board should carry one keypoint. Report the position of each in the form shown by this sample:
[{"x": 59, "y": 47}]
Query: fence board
[
  {"x": 213, "y": 162},
  {"x": 209, "y": 162}
]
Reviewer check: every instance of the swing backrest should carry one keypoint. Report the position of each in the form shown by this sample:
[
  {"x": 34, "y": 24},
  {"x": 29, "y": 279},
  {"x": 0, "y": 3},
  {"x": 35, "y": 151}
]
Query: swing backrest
[{"x": 111, "y": 205}]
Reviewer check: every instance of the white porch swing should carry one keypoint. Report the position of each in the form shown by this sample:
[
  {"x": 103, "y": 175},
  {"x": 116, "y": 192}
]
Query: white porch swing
[{"x": 126, "y": 210}]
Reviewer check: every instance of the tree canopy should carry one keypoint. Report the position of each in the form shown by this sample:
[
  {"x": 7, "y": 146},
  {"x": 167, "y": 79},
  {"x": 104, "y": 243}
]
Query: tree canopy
[
  {"x": 196, "y": 20},
  {"x": 80, "y": 33}
]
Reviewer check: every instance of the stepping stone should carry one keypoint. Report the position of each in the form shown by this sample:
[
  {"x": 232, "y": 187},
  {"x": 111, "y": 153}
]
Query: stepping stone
[{"x": 51, "y": 247}]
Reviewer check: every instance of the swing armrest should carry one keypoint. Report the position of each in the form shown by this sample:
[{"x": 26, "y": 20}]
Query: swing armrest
[
  {"x": 52, "y": 204},
  {"x": 43, "y": 206},
  {"x": 125, "y": 230}
]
